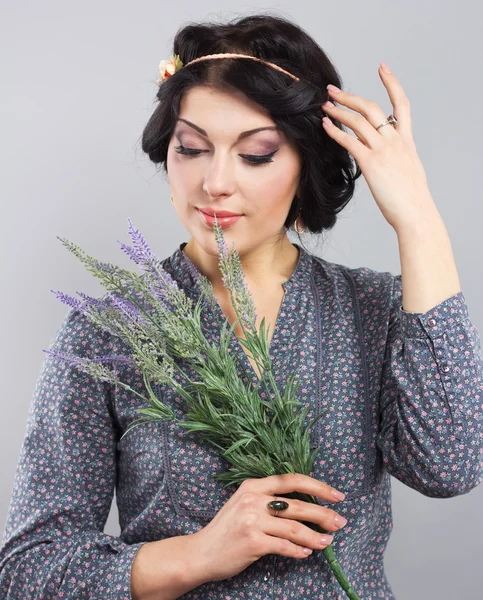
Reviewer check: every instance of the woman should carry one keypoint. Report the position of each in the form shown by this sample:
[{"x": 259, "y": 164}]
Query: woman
[{"x": 238, "y": 135}]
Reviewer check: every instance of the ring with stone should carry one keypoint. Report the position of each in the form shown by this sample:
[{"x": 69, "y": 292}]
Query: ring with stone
[{"x": 277, "y": 505}]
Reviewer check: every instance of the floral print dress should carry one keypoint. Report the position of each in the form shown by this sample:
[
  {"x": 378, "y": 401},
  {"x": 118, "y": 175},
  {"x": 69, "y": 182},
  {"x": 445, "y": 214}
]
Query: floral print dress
[{"x": 402, "y": 395}]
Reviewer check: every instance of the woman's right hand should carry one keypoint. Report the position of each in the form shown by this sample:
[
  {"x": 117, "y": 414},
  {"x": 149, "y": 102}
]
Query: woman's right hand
[{"x": 245, "y": 529}]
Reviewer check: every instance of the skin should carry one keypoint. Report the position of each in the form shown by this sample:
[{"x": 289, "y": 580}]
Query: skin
[
  {"x": 220, "y": 177},
  {"x": 396, "y": 177}
]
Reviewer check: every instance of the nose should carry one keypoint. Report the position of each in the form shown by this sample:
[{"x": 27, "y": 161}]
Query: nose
[{"x": 219, "y": 177}]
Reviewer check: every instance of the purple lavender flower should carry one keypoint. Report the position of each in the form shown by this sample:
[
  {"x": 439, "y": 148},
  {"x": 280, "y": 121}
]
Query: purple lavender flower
[
  {"x": 143, "y": 255},
  {"x": 68, "y": 300},
  {"x": 234, "y": 280},
  {"x": 91, "y": 366}
]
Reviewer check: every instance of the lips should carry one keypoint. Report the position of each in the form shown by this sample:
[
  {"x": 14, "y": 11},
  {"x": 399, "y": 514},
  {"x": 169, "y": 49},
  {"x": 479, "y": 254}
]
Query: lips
[
  {"x": 223, "y": 222},
  {"x": 219, "y": 213}
]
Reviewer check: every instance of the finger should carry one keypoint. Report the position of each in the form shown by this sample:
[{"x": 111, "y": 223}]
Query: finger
[
  {"x": 361, "y": 124},
  {"x": 280, "y": 531},
  {"x": 287, "y": 483},
  {"x": 400, "y": 103},
  {"x": 298, "y": 533},
  {"x": 299, "y": 510},
  {"x": 353, "y": 144},
  {"x": 370, "y": 115},
  {"x": 284, "y": 547}
]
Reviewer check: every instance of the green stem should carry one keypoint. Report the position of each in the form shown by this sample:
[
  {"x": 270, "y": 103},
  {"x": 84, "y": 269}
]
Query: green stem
[
  {"x": 127, "y": 387},
  {"x": 274, "y": 386},
  {"x": 339, "y": 574},
  {"x": 258, "y": 362},
  {"x": 328, "y": 551},
  {"x": 196, "y": 330}
]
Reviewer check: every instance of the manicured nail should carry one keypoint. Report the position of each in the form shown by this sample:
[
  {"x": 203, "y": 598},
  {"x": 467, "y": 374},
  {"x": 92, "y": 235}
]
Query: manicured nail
[
  {"x": 333, "y": 88},
  {"x": 385, "y": 67},
  {"x": 338, "y": 495},
  {"x": 340, "y": 521},
  {"x": 326, "y": 540}
]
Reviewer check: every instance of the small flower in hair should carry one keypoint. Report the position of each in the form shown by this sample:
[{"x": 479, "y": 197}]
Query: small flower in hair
[{"x": 169, "y": 67}]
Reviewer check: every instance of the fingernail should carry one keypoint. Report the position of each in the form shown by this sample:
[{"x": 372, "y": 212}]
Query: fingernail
[
  {"x": 307, "y": 551},
  {"x": 338, "y": 495},
  {"x": 327, "y": 539},
  {"x": 340, "y": 521},
  {"x": 333, "y": 88},
  {"x": 385, "y": 67}
]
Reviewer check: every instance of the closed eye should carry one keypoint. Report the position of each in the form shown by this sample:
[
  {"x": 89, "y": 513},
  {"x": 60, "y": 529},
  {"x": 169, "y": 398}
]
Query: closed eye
[{"x": 252, "y": 159}]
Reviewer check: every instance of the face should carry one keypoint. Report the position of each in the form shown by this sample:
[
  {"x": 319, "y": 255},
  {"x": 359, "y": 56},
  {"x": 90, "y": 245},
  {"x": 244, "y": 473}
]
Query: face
[{"x": 224, "y": 168}]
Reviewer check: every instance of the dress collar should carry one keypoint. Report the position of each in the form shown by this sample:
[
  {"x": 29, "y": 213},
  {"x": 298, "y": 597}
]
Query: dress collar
[{"x": 182, "y": 268}]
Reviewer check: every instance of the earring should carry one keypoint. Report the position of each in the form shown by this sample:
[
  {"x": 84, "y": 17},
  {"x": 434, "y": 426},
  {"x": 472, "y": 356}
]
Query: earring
[
  {"x": 296, "y": 227},
  {"x": 171, "y": 198}
]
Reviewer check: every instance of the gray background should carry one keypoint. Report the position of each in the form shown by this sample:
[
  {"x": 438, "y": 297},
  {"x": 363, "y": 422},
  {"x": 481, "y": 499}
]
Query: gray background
[{"x": 78, "y": 86}]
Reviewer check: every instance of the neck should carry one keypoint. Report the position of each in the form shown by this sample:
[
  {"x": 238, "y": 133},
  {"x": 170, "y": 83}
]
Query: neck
[{"x": 265, "y": 266}]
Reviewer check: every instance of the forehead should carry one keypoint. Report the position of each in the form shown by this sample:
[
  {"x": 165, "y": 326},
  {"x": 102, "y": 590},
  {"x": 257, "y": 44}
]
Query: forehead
[{"x": 209, "y": 105}]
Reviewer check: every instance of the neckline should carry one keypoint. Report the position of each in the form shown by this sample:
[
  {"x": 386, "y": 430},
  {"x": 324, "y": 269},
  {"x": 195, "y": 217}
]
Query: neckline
[
  {"x": 184, "y": 270},
  {"x": 184, "y": 267}
]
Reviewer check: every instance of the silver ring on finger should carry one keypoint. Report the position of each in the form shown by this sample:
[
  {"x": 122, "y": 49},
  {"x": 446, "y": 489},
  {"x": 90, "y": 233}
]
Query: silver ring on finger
[{"x": 391, "y": 120}]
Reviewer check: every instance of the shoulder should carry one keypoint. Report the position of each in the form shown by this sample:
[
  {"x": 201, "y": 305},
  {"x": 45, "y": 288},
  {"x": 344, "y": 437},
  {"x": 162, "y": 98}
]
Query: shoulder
[
  {"x": 368, "y": 286},
  {"x": 78, "y": 334}
]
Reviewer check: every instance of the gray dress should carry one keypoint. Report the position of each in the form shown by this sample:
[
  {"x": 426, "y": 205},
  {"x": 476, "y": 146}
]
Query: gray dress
[{"x": 404, "y": 398}]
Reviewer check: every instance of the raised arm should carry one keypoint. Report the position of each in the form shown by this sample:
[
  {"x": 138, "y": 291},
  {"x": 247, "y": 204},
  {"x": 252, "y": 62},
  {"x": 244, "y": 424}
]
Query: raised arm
[{"x": 431, "y": 397}]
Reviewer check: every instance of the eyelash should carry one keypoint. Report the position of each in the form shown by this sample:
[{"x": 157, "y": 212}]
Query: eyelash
[{"x": 253, "y": 160}]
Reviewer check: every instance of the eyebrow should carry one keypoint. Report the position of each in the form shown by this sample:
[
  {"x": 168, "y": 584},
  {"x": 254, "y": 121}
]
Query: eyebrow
[{"x": 242, "y": 135}]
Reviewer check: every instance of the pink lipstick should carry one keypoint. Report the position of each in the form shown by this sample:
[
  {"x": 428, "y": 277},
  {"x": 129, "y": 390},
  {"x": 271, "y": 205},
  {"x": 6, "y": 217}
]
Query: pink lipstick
[{"x": 223, "y": 222}]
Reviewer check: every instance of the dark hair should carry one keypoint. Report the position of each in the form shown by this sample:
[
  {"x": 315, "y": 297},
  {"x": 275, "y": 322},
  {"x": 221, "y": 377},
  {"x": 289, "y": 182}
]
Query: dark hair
[{"x": 328, "y": 171}]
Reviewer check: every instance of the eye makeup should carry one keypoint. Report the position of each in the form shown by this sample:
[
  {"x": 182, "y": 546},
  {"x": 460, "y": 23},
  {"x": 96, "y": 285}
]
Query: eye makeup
[{"x": 252, "y": 159}]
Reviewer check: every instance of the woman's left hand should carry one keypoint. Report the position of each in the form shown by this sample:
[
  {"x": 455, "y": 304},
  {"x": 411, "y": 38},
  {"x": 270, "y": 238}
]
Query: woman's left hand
[{"x": 387, "y": 157}]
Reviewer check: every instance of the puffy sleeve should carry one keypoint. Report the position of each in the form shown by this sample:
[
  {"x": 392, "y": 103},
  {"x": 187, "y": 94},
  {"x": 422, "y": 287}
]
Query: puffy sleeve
[
  {"x": 53, "y": 544},
  {"x": 431, "y": 397}
]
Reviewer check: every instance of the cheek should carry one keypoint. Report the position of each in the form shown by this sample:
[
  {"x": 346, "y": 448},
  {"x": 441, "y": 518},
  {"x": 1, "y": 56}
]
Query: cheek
[
  {"x": 174, "y": 160},
  {"x": 275, "y": 188},
  {"x": 181, "y": 171}
]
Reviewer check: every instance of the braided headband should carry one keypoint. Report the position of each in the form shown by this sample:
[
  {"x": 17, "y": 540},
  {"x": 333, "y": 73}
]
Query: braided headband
[{"x": 169, "y": 67}]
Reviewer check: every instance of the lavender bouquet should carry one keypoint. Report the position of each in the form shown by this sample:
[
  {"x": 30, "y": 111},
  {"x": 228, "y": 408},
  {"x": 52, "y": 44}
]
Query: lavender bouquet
[{"x": 157, "y": 321}]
